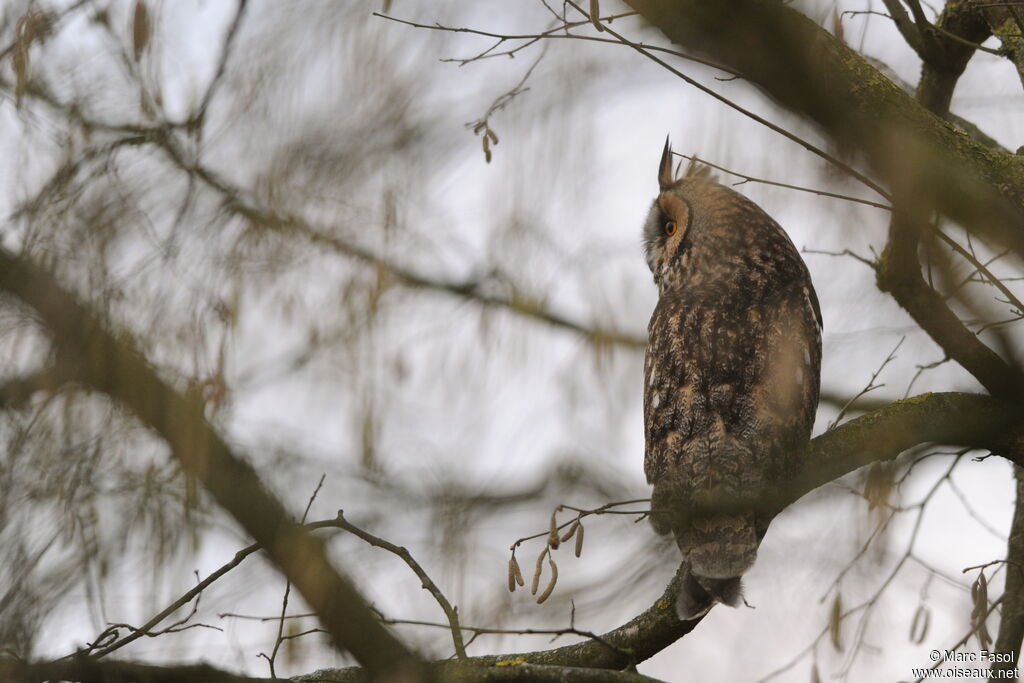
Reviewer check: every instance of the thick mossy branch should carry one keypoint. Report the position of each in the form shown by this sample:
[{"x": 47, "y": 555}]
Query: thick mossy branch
[
  {"x": 949, "y": 418},
  {"x": 1006, "y": 21},
  {"x": 814, "y": 74}
]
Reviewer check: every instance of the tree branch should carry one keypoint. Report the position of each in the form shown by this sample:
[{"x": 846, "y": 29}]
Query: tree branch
[
  {"x": 899, "y": 270},
  {"x": 950, "y": 418},
  {"x": 812, "y": 73},
  {"x": 450, "y": 613},
  {"x": 645, "y": 635},
  {"x": 970, "y": 420},
  {"x": 111, "y": 364},
  {"x": 1006, "y": 21},
  {"x": 906, "y": 26},
  {"x": 949, "y": 44},
  {"x": 899, "y": 274},
  {"x": 84, "y": 670}
]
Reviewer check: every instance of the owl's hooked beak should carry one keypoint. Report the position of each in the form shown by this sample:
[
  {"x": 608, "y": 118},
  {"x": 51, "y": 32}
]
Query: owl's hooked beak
[{"x": 665, "y": 179}]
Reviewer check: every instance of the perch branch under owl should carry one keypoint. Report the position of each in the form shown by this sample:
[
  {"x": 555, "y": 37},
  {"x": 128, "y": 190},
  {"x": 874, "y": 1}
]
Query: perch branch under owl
[{"x": 970, "y": 420}]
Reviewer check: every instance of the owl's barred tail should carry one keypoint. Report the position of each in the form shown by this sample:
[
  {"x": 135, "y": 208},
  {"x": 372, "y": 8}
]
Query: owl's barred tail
[
  {"x": 719, "y": 547},
  {"x": 718, "y": 551}
]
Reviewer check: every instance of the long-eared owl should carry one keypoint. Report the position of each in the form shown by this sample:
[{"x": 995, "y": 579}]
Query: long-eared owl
[{"x": 730, "y": 378}]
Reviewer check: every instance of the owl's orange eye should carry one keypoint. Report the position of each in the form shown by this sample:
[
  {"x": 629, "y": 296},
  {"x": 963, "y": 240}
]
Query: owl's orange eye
[{"x": 670, "y": 228}]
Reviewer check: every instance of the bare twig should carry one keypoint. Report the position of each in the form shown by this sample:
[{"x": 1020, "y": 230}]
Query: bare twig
[
  {"x": 823, "y": 193},
  {"x": 428, "y": 584},
  {"x": 746, "y": 112},
  {"x": 981, "y": 268},
  {"x": 559, "y": 32},
  {"x": 870, "y": 386},
  {"x": 199, "y": 117},
  {"x": 287, "y": 584}
]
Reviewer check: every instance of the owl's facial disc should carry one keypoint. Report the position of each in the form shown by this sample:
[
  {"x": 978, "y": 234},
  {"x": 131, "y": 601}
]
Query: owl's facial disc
[{"x": 675, "y": 224}]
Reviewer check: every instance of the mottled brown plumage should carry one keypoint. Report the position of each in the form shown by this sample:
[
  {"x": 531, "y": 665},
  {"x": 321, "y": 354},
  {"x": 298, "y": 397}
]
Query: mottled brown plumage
[{"x": 731, "y": 376}]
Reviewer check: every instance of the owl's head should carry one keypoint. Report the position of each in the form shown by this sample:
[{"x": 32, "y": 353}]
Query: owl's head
[
  {"x": 668, "y": 231},
  {"x": 700, "y": 232}
]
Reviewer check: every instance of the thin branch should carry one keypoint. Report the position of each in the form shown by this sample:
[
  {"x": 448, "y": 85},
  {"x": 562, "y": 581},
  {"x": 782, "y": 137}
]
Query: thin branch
[
  {"x": 746, "y": 112},
  {"x": 968, "y": 507},
  {"x": 907, "y": 28},
  {"x": 981, "y": 268},
  {"x": 450, "y": 612},
  {"x": 488, "y": 631},
  {"x": 872, "y": 264},
  {"x": 823, "y": 193},
  {"x": 900, "y": 275},
  {"x": 559, "y": 32},
  {"x": 963, "y": 641},
  {"x": 197, "y": 119},
  {"x": 870, "y": 386},
  {"x": 187, "y": 597},
  {"x": 272, "y": 659},
  {"x": 606, "y": 509},
  {"x": 968, "y": 43}
]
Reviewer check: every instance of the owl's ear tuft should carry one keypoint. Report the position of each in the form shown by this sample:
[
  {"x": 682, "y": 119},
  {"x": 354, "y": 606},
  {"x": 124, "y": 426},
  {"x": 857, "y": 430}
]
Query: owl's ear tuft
[{"x": 665, "y": 179}]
